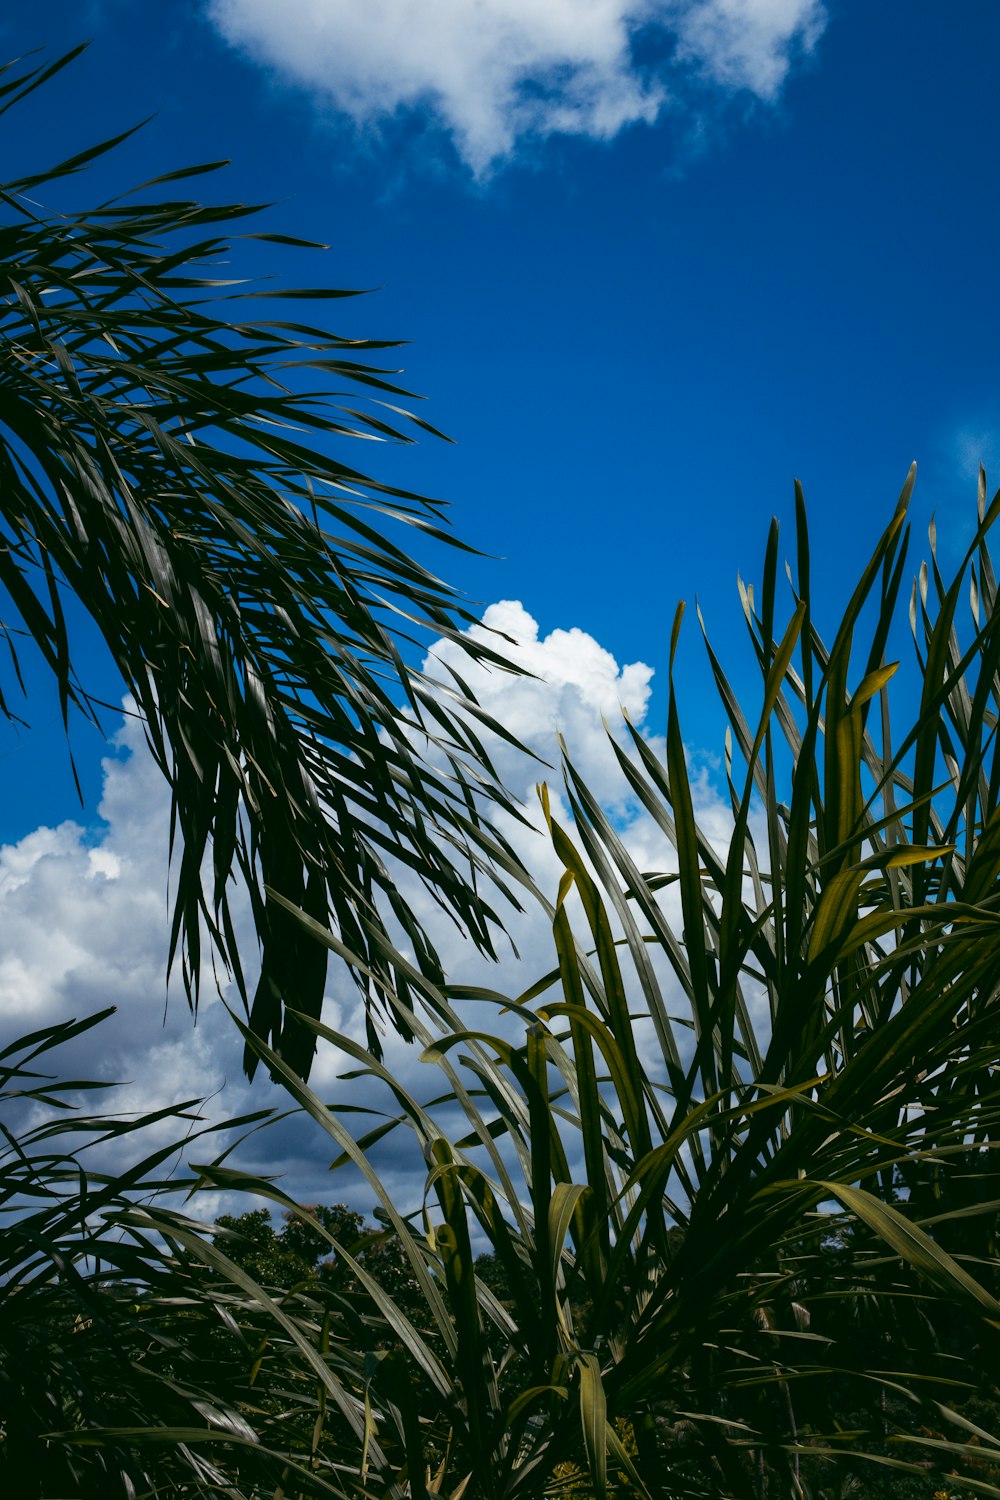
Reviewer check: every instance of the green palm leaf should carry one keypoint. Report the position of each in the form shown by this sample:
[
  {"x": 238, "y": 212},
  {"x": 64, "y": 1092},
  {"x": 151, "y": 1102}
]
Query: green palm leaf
[{"x": 176, "y": 461}]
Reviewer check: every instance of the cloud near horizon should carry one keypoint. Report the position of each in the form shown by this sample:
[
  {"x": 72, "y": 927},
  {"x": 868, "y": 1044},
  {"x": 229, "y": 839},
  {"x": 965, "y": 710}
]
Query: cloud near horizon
[
  {"x": 85, "y": 913},
  {"x": 500, "y": 71}
]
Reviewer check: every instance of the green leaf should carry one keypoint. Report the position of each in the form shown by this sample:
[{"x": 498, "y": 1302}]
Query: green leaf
[{"x": 915, "y": 1246}]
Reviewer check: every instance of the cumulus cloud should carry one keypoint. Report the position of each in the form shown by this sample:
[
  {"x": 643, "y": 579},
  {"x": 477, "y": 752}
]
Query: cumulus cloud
[
  {"x": 500, "y": 70},
  {"x": 85, "y": 913},
  {"x": 571, "y": 687}
]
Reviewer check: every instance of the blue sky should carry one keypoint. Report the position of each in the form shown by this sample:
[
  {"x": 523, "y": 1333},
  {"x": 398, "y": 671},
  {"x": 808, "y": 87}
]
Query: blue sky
[
  {"x": 655, "y": 259},
  {"x": 636, "y": 341}
]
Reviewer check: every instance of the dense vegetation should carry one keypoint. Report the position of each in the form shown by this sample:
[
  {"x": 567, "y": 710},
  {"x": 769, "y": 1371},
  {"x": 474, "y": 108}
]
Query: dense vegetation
[{"x": 720, "y": 1216}]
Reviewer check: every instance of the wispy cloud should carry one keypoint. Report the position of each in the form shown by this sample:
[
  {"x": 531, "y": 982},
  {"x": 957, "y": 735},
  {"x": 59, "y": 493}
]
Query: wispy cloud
[
  {"x": 496, "y": 72},
  {"x": 747, "y": 44},
  {"x": 975, "y": 446}
]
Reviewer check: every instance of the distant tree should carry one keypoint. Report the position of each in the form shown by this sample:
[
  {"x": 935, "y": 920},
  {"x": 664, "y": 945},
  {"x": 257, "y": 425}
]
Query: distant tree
[{"x": 290, "y": 1254}]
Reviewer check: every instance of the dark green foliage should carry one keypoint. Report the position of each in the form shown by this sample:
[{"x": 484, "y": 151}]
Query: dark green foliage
[
  {"x": 737, "y": 1176},
  {"x": 737, "y": 1168},
  {"x": 766, "y": 1250},
  {"x": 293, "y": 1254},
  {"x": 112, "y": 1342},
  {"x": 172, "y": 451}
]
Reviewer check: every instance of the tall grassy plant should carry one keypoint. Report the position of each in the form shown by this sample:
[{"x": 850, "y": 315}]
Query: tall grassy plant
[{"x": 738, "y": 1171}]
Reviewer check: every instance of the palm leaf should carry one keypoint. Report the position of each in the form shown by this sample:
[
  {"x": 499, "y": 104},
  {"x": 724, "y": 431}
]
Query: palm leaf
[{"x": 167, "y": 457}]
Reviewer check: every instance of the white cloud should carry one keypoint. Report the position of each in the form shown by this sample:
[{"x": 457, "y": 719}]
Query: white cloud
[
  {"x": 748, "y": 44},
  {"x": 499, "y": 70},
  {"x": 574, "y": 685},
  {"x": 85, "y": 916}
]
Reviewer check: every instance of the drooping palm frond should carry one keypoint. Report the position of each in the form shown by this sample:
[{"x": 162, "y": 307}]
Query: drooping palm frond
[
  {"x": 739, "y": 1173},
  {"x": 168, "y": 456}
]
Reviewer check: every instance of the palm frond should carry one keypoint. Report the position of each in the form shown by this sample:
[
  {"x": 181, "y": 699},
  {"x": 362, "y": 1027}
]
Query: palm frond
[{"x": 174, "y": 460}]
